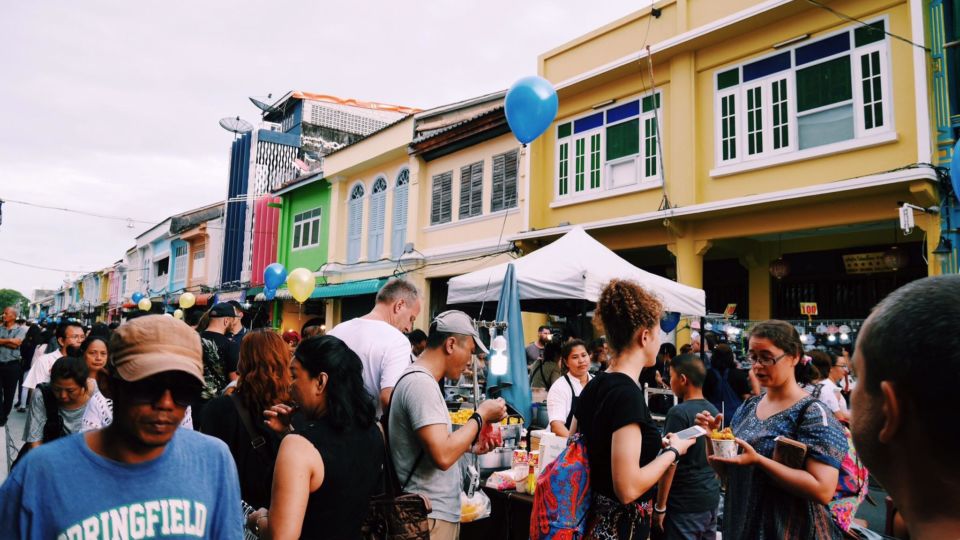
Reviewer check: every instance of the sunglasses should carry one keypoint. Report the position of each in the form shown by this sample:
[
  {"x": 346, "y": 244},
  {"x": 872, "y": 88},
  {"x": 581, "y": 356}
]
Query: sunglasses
[{"x": 183, "y": 390}]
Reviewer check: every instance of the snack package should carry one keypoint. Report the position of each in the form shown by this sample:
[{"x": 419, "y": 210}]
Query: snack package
[
  {"x": 474, "y": 508},
  {"x": 502, "y": 480},
  {"x": 491, "y": 432}
]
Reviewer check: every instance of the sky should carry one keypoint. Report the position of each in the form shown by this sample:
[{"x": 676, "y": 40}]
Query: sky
[{"x": 112, "y": 107}]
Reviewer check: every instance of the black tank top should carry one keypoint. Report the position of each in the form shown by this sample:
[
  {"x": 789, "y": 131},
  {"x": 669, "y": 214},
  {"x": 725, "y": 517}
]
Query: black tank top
[{"x": 353, "y": 466}]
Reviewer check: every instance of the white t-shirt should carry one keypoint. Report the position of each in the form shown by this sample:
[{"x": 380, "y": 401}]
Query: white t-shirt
[
  {"x": 560, "y": 398},
  {"x": 828, "y": 393},
  {"x": 40, "y": 370},
  {"x": 383, "y": 350}
]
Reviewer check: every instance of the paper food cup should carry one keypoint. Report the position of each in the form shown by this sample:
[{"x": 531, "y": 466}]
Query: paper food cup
[{"x": 726, "y": 448}]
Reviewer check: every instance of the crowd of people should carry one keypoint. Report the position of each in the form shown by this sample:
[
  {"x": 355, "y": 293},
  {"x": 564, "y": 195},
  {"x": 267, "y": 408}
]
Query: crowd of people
[{"x": 157, "y": 427}]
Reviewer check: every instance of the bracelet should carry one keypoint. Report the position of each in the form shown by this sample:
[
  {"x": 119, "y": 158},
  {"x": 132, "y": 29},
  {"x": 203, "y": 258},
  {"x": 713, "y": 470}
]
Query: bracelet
[
  {"x": 676, "y": 453},
  {"x": 659, "y": 510},
  {"x": 479, "y": 419}
]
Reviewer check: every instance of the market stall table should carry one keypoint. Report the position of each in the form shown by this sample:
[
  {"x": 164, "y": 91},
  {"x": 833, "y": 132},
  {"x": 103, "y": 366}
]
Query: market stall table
[{"x": 509, "y": 518}]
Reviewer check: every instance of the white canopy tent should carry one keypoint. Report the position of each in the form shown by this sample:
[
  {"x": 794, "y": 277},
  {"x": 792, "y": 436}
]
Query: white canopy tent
[{"x": 571, "y": 270}]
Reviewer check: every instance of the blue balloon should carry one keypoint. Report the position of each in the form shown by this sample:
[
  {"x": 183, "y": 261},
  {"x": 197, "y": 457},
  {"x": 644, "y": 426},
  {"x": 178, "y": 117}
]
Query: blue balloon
[
  {"x": 136, "y": 297},
  {"x": 269, "y": 293},
  {"x": 955, "y": 169},
  {"x": 274, "y": 276},
  {"x": 531, "y": 105},
  {"x": 669, "y": 321}
]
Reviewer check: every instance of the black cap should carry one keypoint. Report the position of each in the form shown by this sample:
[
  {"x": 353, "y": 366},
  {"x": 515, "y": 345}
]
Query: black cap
[
  {"x": 236, "y": 305},
  {"x": 222, "y": 309}
]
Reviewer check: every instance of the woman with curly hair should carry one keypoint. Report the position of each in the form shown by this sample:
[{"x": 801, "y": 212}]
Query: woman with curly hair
[
  {"x": 623, "y": 442},
  {"x": 237, "y": 419}
]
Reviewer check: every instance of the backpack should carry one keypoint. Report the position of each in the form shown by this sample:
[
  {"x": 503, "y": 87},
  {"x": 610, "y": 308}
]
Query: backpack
[
  {"x": 852, "y": 485},
  {"x": 214, "y": 378},
  {"x": 562, "y": 497}
]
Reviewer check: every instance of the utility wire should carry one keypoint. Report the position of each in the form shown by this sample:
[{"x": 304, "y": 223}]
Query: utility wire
[{"x": 862, "y": 23}]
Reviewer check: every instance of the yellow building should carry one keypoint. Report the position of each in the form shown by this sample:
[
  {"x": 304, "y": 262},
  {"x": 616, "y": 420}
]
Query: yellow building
[
  {"x": 704, "y": 140},
  {"x": 430, "y": 197}
]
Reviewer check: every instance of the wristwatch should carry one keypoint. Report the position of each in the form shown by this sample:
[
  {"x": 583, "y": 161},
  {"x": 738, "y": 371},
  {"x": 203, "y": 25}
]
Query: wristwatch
[
  {"x": 676, "y": 453},
  {"x": 479, "y": 419}
]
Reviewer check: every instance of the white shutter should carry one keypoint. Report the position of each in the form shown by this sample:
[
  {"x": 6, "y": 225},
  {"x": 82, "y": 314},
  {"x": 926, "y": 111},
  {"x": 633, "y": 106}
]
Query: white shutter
[
  {"x": 353, "y": 232},
  {"x": 378, "y": 203},
  {"x": 399, "y": 236}
]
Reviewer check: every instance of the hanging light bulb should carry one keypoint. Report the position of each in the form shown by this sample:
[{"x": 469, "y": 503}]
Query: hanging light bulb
[
  {"x": 831, "y": 338},
  {"x": 498, "y": 353}
]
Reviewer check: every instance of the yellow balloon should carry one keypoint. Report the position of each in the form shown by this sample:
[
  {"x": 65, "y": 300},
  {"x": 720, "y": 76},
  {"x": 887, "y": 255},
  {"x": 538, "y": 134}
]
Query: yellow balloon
[
  {"x": 187, "y": 300},
  {"x": 178, "y": 314},
  {"x": 301, "y": 284},
  {"x": 145, "y": 304}
]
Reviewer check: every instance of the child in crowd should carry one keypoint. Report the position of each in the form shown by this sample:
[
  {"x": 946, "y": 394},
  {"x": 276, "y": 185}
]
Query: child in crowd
[{"x": 688, "y": 494}]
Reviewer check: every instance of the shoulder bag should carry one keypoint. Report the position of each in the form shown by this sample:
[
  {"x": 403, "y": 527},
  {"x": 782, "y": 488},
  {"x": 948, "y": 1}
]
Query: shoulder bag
[{"x": 395, "y": 514}]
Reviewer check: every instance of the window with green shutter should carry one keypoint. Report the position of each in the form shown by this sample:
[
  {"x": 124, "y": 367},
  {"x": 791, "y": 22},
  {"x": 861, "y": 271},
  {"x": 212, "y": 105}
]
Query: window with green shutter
[
  {"x": 828, "y": 90},
  {"x": 609, "y": 148},
  {"x": 623, "y": 139}
]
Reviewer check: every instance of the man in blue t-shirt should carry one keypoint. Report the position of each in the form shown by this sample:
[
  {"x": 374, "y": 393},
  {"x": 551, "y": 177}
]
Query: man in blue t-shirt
[
  {"x": 689, "y": 492},
  {"x": 139, "y": 477}
]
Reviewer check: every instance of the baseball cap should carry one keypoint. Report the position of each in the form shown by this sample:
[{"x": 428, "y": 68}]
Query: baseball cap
[
  {"x": 222, "y": 309},
  {"x": 155, "y": 344},
  {"x": 458, "y": 322}
]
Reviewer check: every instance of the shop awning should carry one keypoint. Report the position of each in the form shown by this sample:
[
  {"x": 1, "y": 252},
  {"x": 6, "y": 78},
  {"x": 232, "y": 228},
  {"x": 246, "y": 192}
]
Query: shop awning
[
  {"x": 352, "y": 288},
  {"x": 334, "y": 290}
]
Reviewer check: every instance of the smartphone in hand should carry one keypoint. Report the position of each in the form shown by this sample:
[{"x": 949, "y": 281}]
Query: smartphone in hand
[{"x": 692, "y": 432}]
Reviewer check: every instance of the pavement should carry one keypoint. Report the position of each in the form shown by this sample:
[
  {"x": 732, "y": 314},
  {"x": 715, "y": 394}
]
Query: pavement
[{"x": 11, "y": 436}]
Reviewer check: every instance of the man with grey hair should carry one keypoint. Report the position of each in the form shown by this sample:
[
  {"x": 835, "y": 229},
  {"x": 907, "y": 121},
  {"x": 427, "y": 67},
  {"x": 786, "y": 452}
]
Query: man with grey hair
[
  {"x": 378, "y": 338},
  {"x": 11, "y": 336}
]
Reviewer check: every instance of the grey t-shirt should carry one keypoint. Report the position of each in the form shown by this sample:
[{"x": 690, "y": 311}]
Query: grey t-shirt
[
  {"x": 417, "y": 402},
  {"x": 6, "y": 353},
  {"x": 37, "y": 418}
]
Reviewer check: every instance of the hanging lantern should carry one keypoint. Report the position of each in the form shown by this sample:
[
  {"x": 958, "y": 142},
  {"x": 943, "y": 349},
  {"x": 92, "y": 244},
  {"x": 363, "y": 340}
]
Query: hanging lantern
[
  {"x": 895, "y": 259},
  {"x": 779, "y": 268}
]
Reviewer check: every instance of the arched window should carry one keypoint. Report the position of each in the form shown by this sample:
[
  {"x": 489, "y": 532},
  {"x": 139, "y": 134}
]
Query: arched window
[
  {"x": 399, "y": 236},
  {"x": 355, "y": 223},
  {"x": 378, "y": 206}
]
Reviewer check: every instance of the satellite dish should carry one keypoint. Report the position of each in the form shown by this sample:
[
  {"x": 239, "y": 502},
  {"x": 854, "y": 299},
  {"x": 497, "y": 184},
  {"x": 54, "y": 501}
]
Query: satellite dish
[
  {"x": 236, "y": 125},
  {"x": 262, "y": 106}
]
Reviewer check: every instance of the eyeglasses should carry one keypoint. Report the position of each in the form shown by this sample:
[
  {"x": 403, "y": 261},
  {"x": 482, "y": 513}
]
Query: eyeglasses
[
  {"x": 151, "y": 390},
  {"x": 763, "y": 359}
]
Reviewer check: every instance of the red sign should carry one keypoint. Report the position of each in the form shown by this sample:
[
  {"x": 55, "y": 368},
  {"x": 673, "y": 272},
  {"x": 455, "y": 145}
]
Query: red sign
[{"x": 808, "y": 309}]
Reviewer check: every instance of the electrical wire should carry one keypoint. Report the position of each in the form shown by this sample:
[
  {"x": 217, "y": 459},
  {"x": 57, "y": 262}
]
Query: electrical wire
[{"x": 862, "y": 23}]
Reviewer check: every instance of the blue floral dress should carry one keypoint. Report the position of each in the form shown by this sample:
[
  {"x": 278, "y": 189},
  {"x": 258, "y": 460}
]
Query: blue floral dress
[{"x": 757, "y": 508}]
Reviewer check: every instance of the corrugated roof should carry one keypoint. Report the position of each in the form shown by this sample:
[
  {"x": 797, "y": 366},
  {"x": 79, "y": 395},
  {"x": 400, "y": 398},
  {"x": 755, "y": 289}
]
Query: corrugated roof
[{"x": 431, "y": 134}]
